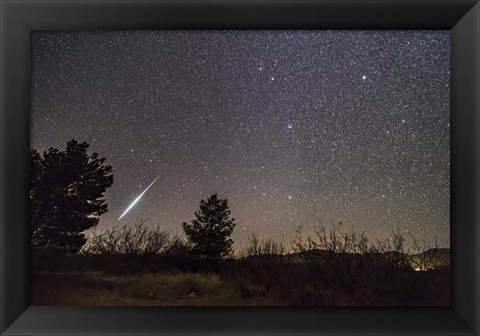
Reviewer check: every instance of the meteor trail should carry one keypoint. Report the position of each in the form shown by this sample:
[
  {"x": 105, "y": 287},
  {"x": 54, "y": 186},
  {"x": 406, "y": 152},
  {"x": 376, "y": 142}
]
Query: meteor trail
[{"x": 137, "y": 199}]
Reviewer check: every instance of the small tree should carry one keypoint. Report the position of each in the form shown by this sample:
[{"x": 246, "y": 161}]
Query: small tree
[
  {"x": 210, "y": 232},
  {"x": 266, "y": 258},
  {"x": 66, "y": 195}
]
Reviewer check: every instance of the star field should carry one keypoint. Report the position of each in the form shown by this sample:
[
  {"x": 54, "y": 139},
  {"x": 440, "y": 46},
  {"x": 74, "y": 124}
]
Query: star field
[{"x": 292, "y": 127}]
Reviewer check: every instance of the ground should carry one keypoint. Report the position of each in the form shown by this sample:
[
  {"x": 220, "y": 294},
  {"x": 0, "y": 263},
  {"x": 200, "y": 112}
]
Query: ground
[{"x": 93, "y": 288}]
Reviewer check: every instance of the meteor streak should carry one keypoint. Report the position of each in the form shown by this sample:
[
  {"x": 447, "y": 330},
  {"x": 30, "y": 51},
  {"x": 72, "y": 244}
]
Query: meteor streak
[{"x": 138, "y": 198}]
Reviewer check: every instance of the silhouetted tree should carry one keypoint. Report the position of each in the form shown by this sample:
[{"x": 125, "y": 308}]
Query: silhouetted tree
[
  {"x": 66, "y": 195},
  {"x": 136, "y": 241},
  {"x": 210, "y": 232}
]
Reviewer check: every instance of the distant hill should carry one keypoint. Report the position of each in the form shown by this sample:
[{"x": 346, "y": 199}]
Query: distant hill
[{"x": 428, "y": 259}]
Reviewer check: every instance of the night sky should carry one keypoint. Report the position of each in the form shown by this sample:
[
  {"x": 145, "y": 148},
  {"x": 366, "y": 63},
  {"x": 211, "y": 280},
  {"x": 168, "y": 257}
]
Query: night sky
[{"x": 292, "y": 127}]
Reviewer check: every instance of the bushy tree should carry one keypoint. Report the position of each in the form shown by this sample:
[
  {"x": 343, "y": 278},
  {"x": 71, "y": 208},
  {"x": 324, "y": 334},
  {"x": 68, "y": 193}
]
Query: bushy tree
[
  {"x": 255, "y": 247},
  {"x": 210, "y": 231},
  {"x": 66, "y": 195},
  {"x": 135, "y": 241}
]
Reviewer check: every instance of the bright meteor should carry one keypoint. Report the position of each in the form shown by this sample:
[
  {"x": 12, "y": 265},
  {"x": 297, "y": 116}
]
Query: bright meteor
[{"x": 138, "y": 198}]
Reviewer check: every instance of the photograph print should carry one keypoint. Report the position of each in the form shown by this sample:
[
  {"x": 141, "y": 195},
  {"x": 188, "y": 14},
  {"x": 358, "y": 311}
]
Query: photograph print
[{"x": 240, "y": 168}]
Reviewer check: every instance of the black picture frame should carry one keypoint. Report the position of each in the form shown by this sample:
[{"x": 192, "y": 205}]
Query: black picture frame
[{"x": 18, "y": 18}]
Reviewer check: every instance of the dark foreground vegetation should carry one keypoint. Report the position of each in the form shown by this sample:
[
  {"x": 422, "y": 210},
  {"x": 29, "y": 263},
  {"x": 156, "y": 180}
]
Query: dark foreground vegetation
[
  {"x": 327, "y": 268},
  {"x": 142, "y": 264}
]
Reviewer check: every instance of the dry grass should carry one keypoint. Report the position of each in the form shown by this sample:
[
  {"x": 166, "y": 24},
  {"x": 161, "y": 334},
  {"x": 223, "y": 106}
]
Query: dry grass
[
  {"x": 151, "y": 289},
  {"x": 203, "y": 289}
]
